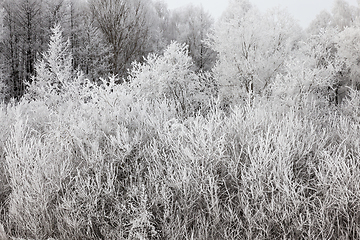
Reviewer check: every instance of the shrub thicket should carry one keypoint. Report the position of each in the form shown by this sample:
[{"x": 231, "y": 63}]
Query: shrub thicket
[{"x": 135, "y": 171}]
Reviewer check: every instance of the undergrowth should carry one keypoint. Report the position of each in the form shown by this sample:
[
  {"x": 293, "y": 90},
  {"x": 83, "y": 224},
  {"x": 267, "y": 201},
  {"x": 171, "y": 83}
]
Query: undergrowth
[{"x": 136, "y": 170}]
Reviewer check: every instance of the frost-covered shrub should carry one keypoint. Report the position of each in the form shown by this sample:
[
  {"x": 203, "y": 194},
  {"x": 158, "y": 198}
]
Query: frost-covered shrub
[{"x": 171, "y": 76}]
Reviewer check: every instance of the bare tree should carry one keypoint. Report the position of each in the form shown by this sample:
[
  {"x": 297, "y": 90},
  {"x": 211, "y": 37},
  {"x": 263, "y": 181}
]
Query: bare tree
[
  {"x": 22, "y": 20},
  {"x": 125, "y": 28}
]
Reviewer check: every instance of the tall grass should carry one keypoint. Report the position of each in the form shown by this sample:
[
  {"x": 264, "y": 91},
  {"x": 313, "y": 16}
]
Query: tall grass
[{"x": 135, "y": 170}]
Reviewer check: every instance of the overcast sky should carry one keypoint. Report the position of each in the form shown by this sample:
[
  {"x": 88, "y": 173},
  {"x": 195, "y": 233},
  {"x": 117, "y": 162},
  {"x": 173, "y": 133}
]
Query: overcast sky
[{"x": 302, "y": 10}]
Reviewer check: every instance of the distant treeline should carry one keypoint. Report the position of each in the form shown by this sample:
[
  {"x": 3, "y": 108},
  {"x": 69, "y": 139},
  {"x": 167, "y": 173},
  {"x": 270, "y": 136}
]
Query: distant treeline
[{"x": 105, "y": 36}]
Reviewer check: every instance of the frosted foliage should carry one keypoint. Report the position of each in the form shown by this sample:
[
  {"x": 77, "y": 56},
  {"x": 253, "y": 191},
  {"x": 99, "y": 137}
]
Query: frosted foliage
[{"x": 252, "y": 47}]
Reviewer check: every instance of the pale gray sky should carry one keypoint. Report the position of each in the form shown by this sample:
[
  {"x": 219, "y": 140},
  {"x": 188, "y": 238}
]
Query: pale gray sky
[{"x": 302, "y": 10}]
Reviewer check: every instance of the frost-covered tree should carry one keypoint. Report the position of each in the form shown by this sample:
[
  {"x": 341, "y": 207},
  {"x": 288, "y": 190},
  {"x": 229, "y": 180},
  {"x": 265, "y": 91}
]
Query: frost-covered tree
[
  {"x": 252, "y": 47},
  {"x": 56, "y": 81},
  {"x": 331, "y": 49},
  {"x": 344, "y": 14},
  {"x": 161, "y": 28},
  {"x": 310, "y": 74},
  {"x": 322, "y": 21},
  {"x": 348, "y": 49},
  {"x": 54, "y": 71},
  {"x": 171, "y": 77},
  {"x": 192, "y": 25}
]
